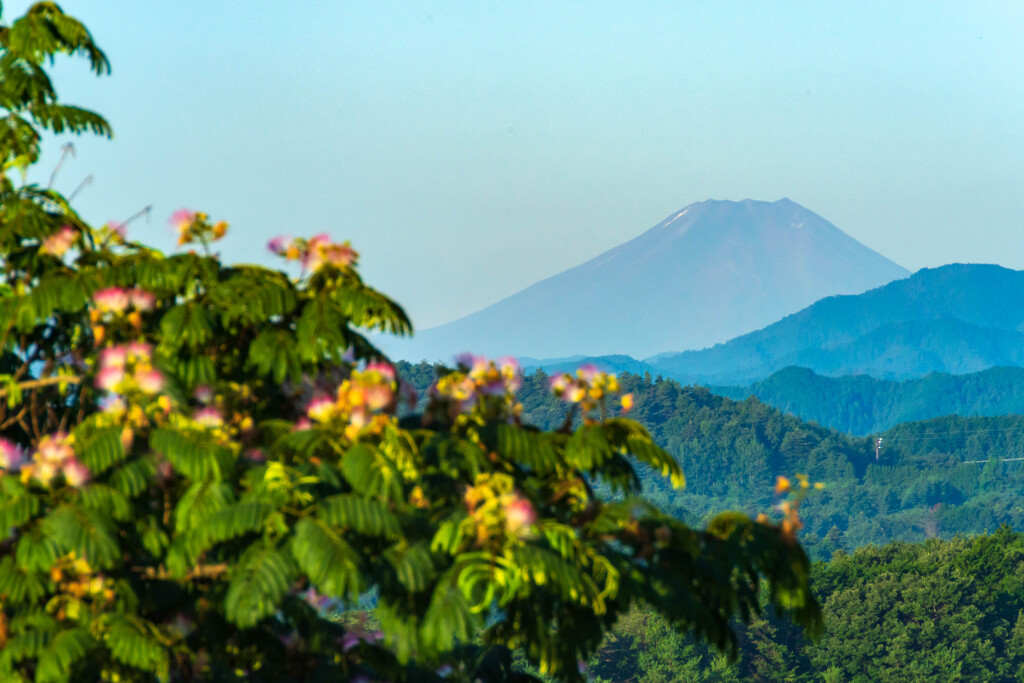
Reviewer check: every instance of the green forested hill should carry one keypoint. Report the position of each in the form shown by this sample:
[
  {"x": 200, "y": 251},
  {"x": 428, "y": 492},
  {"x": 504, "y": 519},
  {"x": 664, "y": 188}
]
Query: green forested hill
[
  {"x": 935, "y": 611},
  {"x": 731, "y": 452},
  {"x": 860, "y": 404}
]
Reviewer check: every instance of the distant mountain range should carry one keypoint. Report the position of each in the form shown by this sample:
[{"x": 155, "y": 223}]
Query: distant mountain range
[
  {"x": 709, "y": 272},
  {"x": 860, "y": 404},
  {"x": 956, "y": 319}
]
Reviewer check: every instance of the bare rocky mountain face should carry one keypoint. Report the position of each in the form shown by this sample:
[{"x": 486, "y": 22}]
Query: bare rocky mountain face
[{"x": 707, "y": 273}]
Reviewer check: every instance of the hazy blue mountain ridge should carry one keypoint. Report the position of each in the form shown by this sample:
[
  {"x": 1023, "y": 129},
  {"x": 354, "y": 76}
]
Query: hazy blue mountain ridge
[
  {"x": 957, "y": 318},
  {"x": 860, "y": 404},
  {"x": 705, "y": 274}
]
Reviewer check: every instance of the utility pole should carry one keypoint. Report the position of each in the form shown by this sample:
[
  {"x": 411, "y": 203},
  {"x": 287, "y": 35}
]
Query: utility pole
[{"x": 878, "y": 447}]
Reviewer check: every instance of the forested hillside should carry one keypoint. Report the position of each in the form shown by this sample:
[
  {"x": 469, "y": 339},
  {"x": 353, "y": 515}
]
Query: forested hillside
[
  {"x": 922, "y": 485},
  {"x": 859, "y": 404},
  {"x": 935, "y": 611}
]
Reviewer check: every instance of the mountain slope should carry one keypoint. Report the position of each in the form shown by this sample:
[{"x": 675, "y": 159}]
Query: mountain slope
[
  {"x": 707, "y": 273},
  {"x": 957, "y": 318},
  {"x": 927, "y": 479},
  {"x": 860, "y": 404}
]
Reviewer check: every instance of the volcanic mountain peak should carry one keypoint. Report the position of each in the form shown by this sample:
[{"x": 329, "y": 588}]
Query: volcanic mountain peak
[{"x": 709, "y": 272}]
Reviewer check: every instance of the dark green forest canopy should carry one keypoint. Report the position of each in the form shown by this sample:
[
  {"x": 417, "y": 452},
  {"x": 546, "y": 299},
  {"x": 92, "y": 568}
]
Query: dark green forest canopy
[
  {"x": 934, "y": 611},
  {"x": 731, "y": 451}
]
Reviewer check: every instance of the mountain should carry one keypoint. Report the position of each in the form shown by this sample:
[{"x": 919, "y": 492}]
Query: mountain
[
  {"x": 930, "y": 477},
  {"x": 957, "y": 319},
  {"x": 860, "y": 404},
  {"x": 705, "y": 274}
]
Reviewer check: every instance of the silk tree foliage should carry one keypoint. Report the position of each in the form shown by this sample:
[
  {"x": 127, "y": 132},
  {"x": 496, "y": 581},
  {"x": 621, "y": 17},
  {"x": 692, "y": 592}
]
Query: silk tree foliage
[{"x": 197, "y": 458}]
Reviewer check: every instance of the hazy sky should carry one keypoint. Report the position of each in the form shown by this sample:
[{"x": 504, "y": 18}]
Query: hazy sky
[{"x": 469, "y": 149}]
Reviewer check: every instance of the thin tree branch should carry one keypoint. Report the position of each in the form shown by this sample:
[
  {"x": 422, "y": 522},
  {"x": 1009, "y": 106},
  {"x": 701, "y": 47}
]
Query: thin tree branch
[
  {"x": 66, "y": 150},
  {"x": 81, "y": 185},
  {"x": 44, "y": 382},
  {"x": 202, "y": 571}
]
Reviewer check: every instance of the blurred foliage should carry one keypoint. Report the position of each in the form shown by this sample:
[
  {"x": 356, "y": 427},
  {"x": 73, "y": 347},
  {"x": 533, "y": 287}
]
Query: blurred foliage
[{"x": 198, "y": 461}]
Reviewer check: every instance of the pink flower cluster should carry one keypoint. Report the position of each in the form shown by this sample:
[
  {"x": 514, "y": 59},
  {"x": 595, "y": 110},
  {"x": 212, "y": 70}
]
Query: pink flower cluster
[
  {"x": 357, "y": 399},
  {"x": 12, "y": 456},
  {"x": 182, "y": 219},
  {"x": 315, "y": 252},
  {"x": 209, "y": 416},
  {"x": 193, "y": 226},
  {"x": 519, "y": 514},
  {"x": 59, "y": 242},
  {"x": 127, "y": 367},
  {"x": 588, "y": 388},
  {"x": 117, "y": 300},
  {"x": 55, "y": 455},
  {"x": 478, "y": 377}
]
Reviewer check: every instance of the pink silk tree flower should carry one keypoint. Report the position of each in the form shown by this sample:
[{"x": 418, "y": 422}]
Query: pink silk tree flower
[
  {"x": 141, "y": 350},
  {"x": 12, "y": 456},
  {"x": 43, "y": 471},
  {"x": 59, "y": 242},
  {"x": 114, "y": 357},
  {"x": 382, "y": 369},
  {"x": 316, "y": 249},
  {"x": 182, "y": 218},
  {"x": 149, "y": 381},
  {"x": 109, "y": 377},
  {"x": 142, "y": 300},
  {"x": 340, "y": 255},
  {"x": 54, "y": 449},
  {"x": 209, "y": 417},
  {"x": 75, "y": 473},
  {"x": 279, "y": 245},
  {"x": 560, "y": 383},
  {"x": 378, "y": 396},
  {"x": 519, "y": 515},
  {"x": 320, "y": 409},
  {"x": 112, "y": 300}
]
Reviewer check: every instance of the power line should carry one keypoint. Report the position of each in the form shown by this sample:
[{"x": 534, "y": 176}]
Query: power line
[{"x": 969, "y": 462}]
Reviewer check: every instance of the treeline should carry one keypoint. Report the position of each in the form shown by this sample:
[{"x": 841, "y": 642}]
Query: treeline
[
  {"x": 859, "y": 404},
  {"x": 921, "y": 486},
  {"x": 942, "y": 610}
]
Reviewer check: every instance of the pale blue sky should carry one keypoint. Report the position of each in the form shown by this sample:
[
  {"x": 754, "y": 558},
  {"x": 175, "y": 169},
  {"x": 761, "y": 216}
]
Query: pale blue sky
[{"x": 469, "y": 149}]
